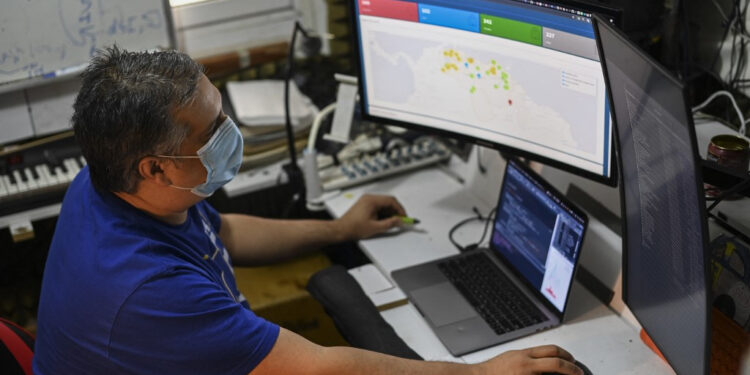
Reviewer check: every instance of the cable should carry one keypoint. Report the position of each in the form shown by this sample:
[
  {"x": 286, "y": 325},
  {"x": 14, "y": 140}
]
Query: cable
[
  {"x": 734, "y": 22},
  {"x": 463, "y": 222},
  {"x": 738, "y": 56},
  {"x": 723, "y": 15},
  {"x": 734, "y": 103},
  {"x": 316, "y": 124},
  {"x": 395, "y": 142},
  {"x": 292, "y": 169},
  {"x": 726, "y": 193},
  {"x": 721, "y": 46},
  {"x": 455, "y": 227},
  {"x": 489, "y": 219},
  {"x": 481, "y": 167}
]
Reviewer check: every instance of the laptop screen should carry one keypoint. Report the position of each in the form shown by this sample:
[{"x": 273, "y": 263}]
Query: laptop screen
[{"x": 538, "y": 234}]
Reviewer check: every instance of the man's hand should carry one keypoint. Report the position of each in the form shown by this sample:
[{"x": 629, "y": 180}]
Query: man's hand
[
  {"x": 362, "y": 220},
  {"x": 293, "y": 354},
  {"x": 536, "y": 360}
]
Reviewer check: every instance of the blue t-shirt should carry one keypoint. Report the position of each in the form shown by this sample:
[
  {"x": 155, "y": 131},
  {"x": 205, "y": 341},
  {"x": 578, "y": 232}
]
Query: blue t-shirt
[{"x": 124, "y": 293}]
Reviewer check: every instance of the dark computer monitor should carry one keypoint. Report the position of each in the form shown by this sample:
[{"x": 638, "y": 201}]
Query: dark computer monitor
[
  {"x": 665, "y": 268},
  {"x": 517, "y": 75}
]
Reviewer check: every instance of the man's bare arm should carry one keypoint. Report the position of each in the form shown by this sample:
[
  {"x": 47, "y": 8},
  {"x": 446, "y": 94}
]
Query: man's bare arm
[
  {"x": 293, "y": 354},
  {"x": 255, "y": 241}
]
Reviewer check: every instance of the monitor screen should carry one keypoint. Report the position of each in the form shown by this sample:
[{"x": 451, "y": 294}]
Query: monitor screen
[
  {"x": 538, "y": 233},
  {"x": 520, "y": 76},
  {"x": 665, "y": 273}
]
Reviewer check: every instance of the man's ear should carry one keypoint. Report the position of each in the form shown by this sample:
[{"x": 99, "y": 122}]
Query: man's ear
[{"x": 151, "y": 169}]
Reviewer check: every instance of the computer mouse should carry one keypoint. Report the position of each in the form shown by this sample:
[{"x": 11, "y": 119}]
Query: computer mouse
[{"x": 580, "y": 365}]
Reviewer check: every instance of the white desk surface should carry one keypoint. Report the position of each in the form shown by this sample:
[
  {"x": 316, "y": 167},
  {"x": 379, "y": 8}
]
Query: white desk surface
[
  {"x": 427, "y": 194},
  {"x": 593, "y": 333}
]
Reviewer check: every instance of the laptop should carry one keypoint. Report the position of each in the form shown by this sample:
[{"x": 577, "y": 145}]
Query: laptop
[{"x": 519, "y": 285}]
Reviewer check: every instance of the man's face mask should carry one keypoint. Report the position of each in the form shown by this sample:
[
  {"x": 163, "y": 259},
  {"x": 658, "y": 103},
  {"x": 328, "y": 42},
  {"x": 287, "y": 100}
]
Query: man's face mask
[{"x": 221, "y": 156}]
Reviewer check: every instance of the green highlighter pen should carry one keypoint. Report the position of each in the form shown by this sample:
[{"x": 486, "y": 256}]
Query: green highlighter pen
[{"x": 409, "y": 220}]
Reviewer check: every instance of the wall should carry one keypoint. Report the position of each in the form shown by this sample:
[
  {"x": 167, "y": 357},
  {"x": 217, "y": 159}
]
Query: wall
[
  {"x": 203, "y": 29},
  {"x": 216, "y": 27}
]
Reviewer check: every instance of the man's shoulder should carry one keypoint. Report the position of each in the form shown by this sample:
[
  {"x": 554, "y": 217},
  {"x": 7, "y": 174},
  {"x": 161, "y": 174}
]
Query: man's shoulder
[{"x": 109, "y": 260}]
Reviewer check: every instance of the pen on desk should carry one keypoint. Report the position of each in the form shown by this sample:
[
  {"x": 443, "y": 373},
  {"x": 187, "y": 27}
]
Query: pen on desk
[{"x": 409, "y": 220}]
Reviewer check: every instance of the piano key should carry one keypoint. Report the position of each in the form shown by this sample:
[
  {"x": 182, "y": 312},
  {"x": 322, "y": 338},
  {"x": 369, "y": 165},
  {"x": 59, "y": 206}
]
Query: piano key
[
  {"x": 20, "y": 184},
  {"x": 20, "y": 176},
  {"x": 66, "y": 170},
  {"x": 3, "y": 189},
  {"x": 83, "y": 161},
  {"x": 42, "y": 180},
  {"x": 72, "y": 167},
  {"x": 76, "y": 164},
  {"x": 48, "y": 175},
  {"x": 62, "y": 177},
  {"x": 69, "y": 175},
  {"x": 30, "y": 180},
  {"x": 52, "y": 175},
  {"x": 12, "y": 189}
]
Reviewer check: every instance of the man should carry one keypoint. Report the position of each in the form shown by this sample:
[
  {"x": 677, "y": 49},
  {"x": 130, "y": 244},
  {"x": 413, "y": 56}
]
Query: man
[{"x": 139, "y": 278}]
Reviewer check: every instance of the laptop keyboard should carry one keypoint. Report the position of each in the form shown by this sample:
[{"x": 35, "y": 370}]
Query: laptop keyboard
[{"x": 497, "y": 300}]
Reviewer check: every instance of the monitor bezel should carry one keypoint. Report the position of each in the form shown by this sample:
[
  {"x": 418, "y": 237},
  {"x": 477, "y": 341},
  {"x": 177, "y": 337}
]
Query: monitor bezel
[
  {"x": 596, "y": 21},
  {"x": 610, "y": 180}
]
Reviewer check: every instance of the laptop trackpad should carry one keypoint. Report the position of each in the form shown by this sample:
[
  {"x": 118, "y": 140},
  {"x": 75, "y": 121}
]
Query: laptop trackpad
[{"x": 442, "y": 304}]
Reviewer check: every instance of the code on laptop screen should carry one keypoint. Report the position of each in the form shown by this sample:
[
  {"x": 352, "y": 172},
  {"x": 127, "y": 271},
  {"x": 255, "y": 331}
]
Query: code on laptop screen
[{"x": 537, "y": 234}]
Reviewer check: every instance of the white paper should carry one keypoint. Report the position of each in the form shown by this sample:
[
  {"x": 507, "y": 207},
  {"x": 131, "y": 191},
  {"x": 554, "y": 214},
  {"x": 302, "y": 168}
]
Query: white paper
[
  {"x": 261, "y": 103},
  {"x": 52, "y": 106},
  {"x": 370, "y": 279},
  {"x": 15, "y": 122}
]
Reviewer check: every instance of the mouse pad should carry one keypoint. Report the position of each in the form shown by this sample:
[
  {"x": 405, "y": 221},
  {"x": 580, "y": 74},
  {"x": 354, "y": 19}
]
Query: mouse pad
[{"x": 432, "y": 303}]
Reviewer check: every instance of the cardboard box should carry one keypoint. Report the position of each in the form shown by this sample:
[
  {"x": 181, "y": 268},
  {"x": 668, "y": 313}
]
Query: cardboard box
[{"x": 277, "y": 293}]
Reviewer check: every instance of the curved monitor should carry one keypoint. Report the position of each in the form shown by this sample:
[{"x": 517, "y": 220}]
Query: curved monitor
[
  {"x": 520, "y": 76},
  {"x": 666, "y": 271}
]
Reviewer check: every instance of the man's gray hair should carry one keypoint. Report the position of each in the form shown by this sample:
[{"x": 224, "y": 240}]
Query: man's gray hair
[{"x": 124, "y": 111}]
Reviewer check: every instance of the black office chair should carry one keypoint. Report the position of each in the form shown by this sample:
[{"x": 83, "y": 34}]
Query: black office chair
[{"x": 354, "y": 314}]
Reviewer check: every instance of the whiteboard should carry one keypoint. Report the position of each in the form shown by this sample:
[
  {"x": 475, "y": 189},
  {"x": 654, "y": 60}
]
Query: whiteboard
[{"x": 44, "y": 39}]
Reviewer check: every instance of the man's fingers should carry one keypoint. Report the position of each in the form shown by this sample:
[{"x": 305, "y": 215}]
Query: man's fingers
[
  {"x": 383, "y": 201},
  {"x": 549, "y": 351},
  {"x": 393, "y": 222},
  {"x": 555, "y": 365},
  {"x": 385, "y": 224},
  {"x": 394, "y": 204},
  {"x": 379, "y": 226}
]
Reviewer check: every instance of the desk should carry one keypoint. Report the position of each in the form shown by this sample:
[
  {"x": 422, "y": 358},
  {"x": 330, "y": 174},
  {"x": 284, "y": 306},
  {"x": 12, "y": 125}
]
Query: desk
[{"x": 593, "y": 333}]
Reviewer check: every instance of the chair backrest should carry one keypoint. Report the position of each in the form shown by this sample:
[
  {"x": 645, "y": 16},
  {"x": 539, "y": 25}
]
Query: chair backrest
[{"x": 16, "y": 349}]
